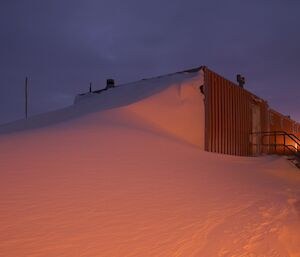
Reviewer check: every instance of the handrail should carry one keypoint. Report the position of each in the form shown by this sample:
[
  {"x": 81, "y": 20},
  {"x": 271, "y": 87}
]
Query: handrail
[
  {"x": 276, "y": 132},
  {"x": 286, "y": 146},
  {"x": 293, "y": 149},
  {"x": 280, "y": 132}
]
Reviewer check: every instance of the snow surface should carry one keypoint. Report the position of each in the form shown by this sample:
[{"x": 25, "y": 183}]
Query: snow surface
[{"x": 124, "y": 174}]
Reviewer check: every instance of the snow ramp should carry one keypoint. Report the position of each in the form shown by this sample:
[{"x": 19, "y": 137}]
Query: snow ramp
[{"x": 171, "y": 104}]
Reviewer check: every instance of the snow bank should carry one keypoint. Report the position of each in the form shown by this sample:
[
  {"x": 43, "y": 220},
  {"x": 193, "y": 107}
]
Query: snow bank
[
  {"x": 112, "y": 176},
  {"x": 178, "y": 110},
  {"x": 171, "y": 103}
]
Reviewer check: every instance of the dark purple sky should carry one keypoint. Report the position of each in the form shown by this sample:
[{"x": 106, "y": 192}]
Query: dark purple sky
[{"x": 63, "y": 45}]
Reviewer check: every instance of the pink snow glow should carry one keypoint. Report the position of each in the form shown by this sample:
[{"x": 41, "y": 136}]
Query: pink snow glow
[{"x": 124, "y": 173}]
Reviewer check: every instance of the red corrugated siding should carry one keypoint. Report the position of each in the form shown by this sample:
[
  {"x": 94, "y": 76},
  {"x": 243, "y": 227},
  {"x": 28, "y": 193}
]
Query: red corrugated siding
[{"x": 228, "y": 115}]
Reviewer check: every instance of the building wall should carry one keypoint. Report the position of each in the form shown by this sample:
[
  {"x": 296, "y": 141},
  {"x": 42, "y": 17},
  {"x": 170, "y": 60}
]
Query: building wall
[
  {"x": 233, "y": 115},
  {"x": 228, "y": 116}
]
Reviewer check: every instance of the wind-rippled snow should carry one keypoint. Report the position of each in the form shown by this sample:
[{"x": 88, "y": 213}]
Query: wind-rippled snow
[{"x": 112, "y": 180}]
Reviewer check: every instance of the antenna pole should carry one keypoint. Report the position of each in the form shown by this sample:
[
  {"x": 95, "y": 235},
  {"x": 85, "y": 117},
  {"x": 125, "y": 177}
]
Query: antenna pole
[{"x": 26, "y": 97}]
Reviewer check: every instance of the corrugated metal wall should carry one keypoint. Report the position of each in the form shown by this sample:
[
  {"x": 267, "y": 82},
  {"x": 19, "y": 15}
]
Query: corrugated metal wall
[{"x": 229, "y": 114}]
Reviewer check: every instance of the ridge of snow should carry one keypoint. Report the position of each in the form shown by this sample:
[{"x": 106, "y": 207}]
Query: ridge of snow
[
  {"x": 117, "y": 97},
  {"x": 123, "y": 174}
]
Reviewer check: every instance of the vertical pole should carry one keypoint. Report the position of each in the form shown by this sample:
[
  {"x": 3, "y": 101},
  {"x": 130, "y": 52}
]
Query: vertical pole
[
  {"x": 90, "y": 87},
  {"x": 26, "y": 97}
]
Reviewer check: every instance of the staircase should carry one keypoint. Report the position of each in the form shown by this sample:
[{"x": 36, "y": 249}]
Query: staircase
[{"x": 279, "y": 142}]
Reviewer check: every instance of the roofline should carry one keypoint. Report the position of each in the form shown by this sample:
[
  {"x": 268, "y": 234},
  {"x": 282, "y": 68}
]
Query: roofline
[{"x": 192, "y": 70}]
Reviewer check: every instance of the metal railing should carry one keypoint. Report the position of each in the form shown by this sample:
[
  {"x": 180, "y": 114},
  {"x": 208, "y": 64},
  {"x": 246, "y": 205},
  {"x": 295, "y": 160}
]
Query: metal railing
[{"x": 276, "y": 142}]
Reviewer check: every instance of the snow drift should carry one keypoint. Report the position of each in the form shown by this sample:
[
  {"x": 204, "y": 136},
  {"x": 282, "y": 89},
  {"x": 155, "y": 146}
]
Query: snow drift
[
  {"x": 124, "y": 173},
  {"x": 171, "y": 103}
]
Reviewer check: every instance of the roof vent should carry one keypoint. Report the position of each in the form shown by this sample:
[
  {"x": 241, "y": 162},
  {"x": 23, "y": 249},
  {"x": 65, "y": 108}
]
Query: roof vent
[
  {"x": 110, "y": 83},
  {"x": 241, "y": 80}
]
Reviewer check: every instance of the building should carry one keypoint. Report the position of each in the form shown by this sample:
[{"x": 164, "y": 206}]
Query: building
[{"x": 237, "y": 122}]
